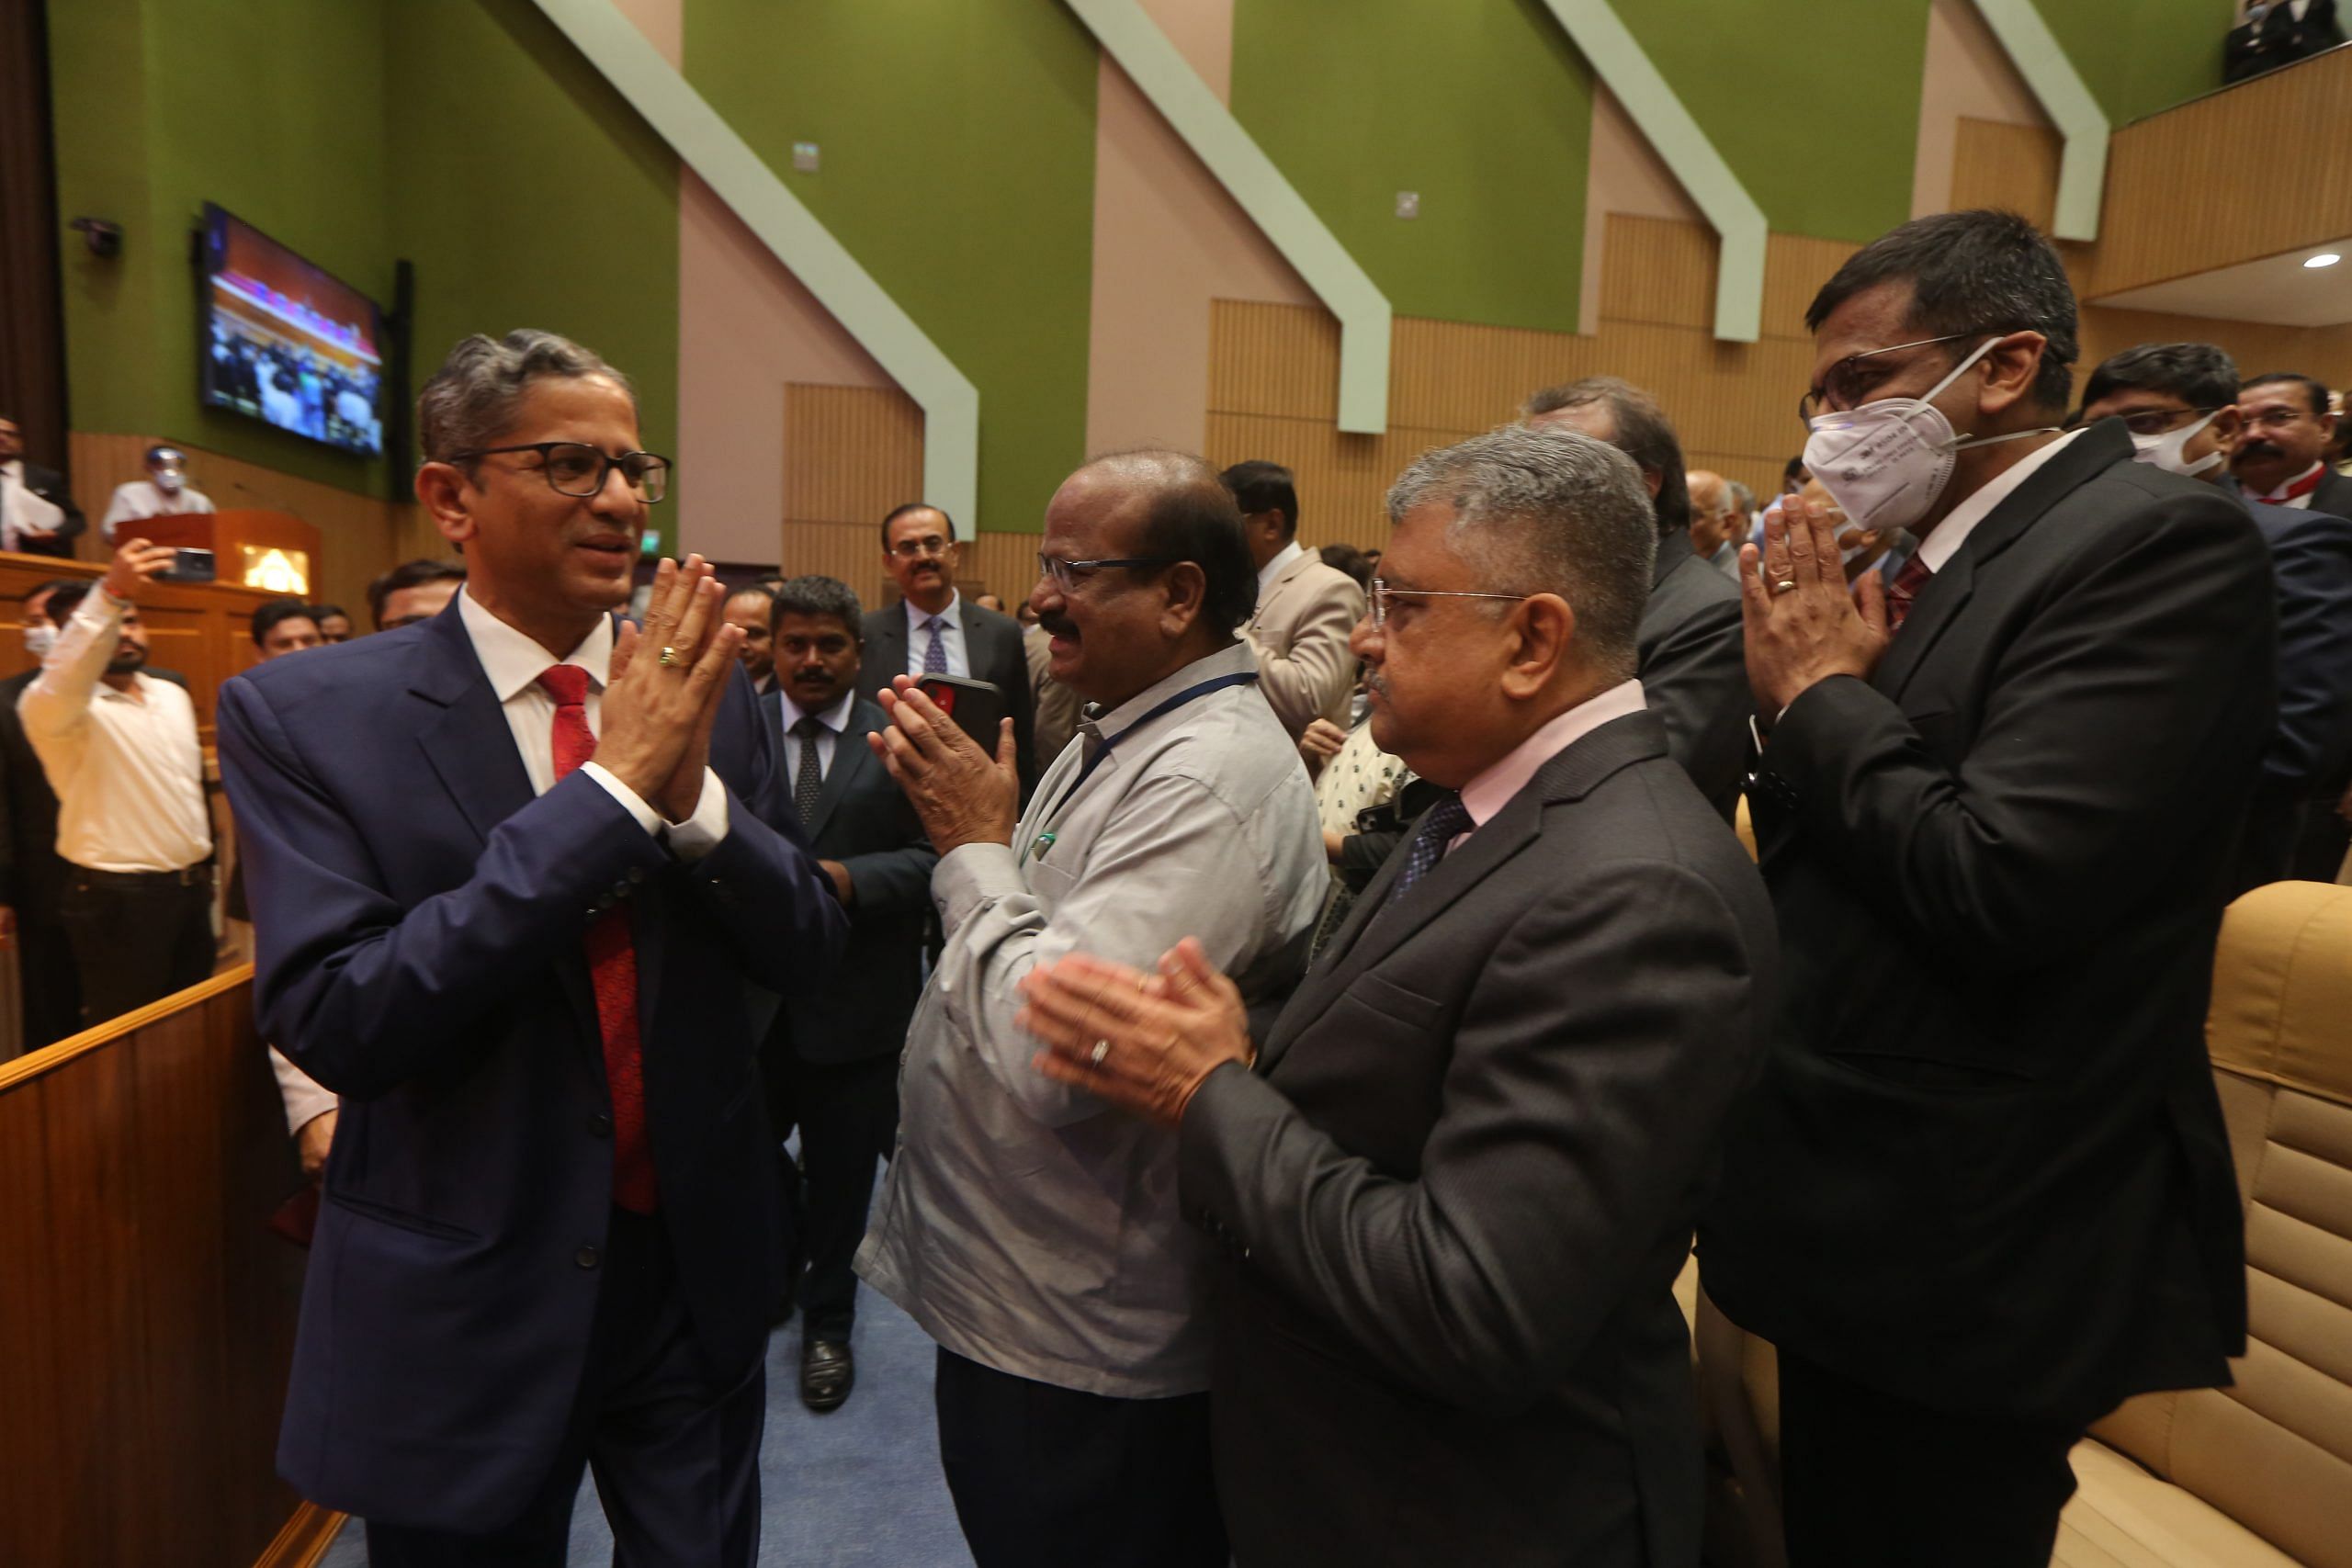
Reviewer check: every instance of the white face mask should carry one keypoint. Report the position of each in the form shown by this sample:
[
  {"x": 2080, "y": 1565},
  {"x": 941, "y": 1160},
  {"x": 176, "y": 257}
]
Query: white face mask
[
  {"x": 1886, "y": 462},
  {"x": 40, "y": 640},
  {"x": 168, "y": 480},
  {"x": 2164, "y": 451}
]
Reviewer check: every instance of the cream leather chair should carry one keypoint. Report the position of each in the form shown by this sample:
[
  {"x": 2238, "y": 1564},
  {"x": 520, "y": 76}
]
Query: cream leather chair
[{"x": 2258, "y": 1475}]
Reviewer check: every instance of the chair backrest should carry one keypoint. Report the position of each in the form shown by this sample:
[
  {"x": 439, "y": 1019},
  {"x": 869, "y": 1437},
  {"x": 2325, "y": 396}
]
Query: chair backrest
[{"x": 2274, "y": 1451}]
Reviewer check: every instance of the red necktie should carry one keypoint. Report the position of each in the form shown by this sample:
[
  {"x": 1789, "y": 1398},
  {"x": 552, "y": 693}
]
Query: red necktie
[
  {"x": 611, "y": 969},
  {"x": 1903, "y": 590},
  {"x": 2295, "y": 489}
]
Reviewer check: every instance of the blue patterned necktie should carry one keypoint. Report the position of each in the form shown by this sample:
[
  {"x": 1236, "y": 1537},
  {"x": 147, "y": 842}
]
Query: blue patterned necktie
[
  {"x": 1439, "y": 825},
  {"x": 934, "y": 653}
]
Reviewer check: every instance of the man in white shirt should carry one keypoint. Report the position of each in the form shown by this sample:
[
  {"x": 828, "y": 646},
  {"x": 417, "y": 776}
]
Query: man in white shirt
[
  {"x": 37, "y": 511},
  {"x": 165, "y": 492},
  {"x": 120, "y": 750},
  {"x": 1305, "y": 609}
]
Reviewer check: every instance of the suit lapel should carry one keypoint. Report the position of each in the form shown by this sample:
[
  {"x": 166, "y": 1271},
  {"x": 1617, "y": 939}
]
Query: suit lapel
[
  {"x": 468, "y": 743},
  {"x": 1673, "y": 549},
  {"x": 851, "y": 758},
  {"x": 1373, "y": 930},
  {"x": 471, "y": 748},
  {"x": 1273, "y": 593},
  {"x": 1941, "y": 599}
]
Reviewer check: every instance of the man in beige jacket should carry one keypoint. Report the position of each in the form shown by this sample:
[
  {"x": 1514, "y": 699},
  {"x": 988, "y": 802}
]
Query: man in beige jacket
[{"x": 1305, "y": 609}]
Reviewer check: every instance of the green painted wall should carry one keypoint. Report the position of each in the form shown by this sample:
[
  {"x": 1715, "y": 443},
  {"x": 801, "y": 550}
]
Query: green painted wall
[
  {"x": 528, "y": 193},
  {"x": 2142, "y": 56},
  {"x": 273, "y": 109},
  {"x": 959, "y": 167},
  {"x": 1479, "y": 106},
  {"x": 523, "y": 190},
  {"x": 1814, "y": 106}
]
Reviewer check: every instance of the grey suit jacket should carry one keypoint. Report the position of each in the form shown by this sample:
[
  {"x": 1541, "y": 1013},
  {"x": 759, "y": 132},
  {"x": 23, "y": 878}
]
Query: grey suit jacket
[
  {"x": 1694, "y": 669},
  {"x": 860, "y": 1008},
  {"x": 1299, "y": 633},
  {"x": 991, "y": 643},
  {"x": 1456, "y": 1192}
]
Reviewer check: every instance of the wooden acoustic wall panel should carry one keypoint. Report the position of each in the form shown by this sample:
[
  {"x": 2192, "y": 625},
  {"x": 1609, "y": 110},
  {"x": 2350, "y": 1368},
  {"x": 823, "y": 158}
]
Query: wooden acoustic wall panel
[
  {"x": 851, "y": 454},
  {"x": 2182, "y": 196},
  {"x": 1274, "y": 359},
  {"x": 360, "y": 536},
  {"x": 2013, "y": 167},
  {"x": 149, "y": 1314},
  {"x": 1657, "y": 270}
]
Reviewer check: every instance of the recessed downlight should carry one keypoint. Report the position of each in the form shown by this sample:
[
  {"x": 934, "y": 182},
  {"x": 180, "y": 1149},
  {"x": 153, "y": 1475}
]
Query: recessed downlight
[{"x": 2326, "y": 258}]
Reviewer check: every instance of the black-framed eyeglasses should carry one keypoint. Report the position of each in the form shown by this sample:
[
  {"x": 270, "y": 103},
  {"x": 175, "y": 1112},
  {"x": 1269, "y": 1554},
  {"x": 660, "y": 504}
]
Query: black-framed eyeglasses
[
  {"x": 1068, "y": 574},
  {"x": 578, "y": 469},
  {"x": 1382, "y": 593},
  {"x": 1846, "y": 384},
  {"x": 916, "y": 549},
  {"x": 2277, "y": 416}
]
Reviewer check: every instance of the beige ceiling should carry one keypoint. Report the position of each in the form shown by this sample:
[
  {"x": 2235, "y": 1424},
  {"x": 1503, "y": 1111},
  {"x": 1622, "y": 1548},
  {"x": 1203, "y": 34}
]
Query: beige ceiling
[{"x": 2277, "y": 289}]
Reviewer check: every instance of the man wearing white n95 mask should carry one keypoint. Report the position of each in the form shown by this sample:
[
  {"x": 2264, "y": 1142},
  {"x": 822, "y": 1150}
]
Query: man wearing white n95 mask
[
  {"x": 1982, "y": 1192},
  {"x": 2179, "y": 401}
]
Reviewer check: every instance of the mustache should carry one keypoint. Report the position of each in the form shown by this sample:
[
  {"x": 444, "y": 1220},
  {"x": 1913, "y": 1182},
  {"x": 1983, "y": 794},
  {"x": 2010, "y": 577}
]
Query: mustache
[
  {"x": 2259, "y": 449},
  {"x": 1058, "y": 626}
]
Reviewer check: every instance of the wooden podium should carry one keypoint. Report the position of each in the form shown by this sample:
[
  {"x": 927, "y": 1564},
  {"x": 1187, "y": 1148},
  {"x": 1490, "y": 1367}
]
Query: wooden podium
[{"x": 242, "y": 542}]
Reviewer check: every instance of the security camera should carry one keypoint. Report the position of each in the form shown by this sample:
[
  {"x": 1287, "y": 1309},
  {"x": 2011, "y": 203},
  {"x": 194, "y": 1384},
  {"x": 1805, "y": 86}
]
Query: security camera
[{"x": 104, "y": 239}]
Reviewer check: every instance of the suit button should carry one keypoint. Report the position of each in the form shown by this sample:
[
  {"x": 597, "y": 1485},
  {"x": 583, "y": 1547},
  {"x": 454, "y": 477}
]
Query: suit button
[
  {"x": 635, "y": 874},
  {"x": 586, "y": 1257},
  {"x": 600, "y": 1125}
]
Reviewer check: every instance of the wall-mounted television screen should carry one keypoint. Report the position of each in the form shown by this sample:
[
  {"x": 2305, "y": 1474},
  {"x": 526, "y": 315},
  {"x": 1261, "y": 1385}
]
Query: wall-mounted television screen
[{"x": 284, "y": 342}]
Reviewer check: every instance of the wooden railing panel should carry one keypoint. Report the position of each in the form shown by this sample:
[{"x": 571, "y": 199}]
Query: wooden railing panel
[{"x": 147, "y": 1315}]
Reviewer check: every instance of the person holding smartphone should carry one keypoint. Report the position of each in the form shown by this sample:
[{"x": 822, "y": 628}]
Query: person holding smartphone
[{"x": 119, "y": 746}]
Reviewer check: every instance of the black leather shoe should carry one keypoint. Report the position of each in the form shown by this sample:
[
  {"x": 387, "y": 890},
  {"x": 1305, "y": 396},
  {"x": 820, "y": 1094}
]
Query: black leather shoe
[{"x": 826, "y": 1374}]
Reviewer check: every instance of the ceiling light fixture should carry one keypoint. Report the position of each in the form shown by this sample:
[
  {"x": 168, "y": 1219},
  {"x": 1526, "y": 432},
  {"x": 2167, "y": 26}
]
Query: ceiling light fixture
[{"x": 2326, "y": 258}]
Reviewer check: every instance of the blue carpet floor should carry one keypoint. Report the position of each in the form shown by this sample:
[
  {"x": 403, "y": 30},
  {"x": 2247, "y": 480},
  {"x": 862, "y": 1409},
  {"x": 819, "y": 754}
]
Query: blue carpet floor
[{"x": 859, "y": 1488}]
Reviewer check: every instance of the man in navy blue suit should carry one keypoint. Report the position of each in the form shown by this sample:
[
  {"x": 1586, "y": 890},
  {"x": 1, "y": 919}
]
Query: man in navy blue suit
[
  {"x": 2180, "y": 401},
  {"x": 548, "y": 1239}
]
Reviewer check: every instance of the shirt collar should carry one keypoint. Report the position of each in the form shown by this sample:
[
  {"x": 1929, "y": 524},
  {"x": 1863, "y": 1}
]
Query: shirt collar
[
  {"x": 1230, "y": 661},
  {"x": 1276, "y": 566},
  {"x": 1493, "y": 788},
  {"x": 953, "y": 614},
  {"x": 1944, "y": 540},
  {"x": 514, "y": 661},
  {"x": 835, "y": 718}
]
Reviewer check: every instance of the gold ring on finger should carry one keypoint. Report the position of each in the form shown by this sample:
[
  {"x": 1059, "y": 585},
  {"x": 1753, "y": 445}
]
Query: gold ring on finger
[
  {"x": 1777, "y": 588},
  {"x": 670, "y": 655}
]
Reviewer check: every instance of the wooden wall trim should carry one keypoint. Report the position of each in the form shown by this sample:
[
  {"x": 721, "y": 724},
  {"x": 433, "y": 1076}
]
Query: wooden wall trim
[
  {"x": 309, "y": 1531},
  {"x": 98, "y": 1037},
  {"x": 2179, "y": 199}
]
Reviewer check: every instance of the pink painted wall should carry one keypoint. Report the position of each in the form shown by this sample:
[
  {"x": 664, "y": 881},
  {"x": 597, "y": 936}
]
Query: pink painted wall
[
  {"x": 1967, "y": 74},
  {"x": 1167, "y": 241},
  {"x": 1627, "y": 175}
]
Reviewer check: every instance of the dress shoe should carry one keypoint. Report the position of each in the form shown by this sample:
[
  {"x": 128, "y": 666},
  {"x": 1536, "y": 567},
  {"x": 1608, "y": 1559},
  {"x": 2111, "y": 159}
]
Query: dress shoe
[{"x": 826, "y": 1374}]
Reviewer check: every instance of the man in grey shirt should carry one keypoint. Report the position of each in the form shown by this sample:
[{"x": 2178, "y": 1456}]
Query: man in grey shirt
[{"x": 1030, "y": 1231}]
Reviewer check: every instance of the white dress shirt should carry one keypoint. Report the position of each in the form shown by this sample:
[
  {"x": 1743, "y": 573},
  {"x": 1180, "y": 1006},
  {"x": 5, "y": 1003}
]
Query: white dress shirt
[
  {"x": 829, "y": 725},
  {"x": 1944, "y": 541},
  {"x": 515, "y": 663},
  {"x": 138, "y": 499},
  {"x": 22, "y": 513},
  {"x": 951, "y": 626},
  {"x": 127, "y": 770},
  {"x": 1274, "y": 567}
]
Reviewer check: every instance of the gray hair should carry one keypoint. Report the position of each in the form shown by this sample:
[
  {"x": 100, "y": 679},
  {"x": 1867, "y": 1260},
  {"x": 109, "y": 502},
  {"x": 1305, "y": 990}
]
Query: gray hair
[
  {"x": 1742, "y": 497},
  {"x": 473, "y": 399},
  {"x": 1547, "y": 511}
]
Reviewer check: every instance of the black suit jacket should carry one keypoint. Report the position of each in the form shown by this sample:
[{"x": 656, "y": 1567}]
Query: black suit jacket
[
  {"x": 2333, "y": 494},
  {"x": 1694, "y": 671},
  {"x": 1456, "y": 1193},
  {"x": 992, "y": 644},
  {"x": 2309, "y": 756},
  {"x": 50, "y": 485},
  {"x": 1986, "y": 1168},
  {"x": 863, "y": 820}
]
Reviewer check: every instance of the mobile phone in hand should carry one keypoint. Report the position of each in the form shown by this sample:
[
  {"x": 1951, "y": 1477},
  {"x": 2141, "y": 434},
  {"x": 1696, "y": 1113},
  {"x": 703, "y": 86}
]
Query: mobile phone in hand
[
  {"x": 190, "y": 565},
  {"x": 976, "y": 706}
]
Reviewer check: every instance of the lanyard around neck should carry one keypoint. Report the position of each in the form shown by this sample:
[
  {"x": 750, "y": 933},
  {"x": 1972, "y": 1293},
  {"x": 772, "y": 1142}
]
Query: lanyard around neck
[{"x": 1086, "y": 771}]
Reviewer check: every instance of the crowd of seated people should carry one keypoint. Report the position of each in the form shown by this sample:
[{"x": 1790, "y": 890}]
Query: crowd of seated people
[{"x": 1302, "y": 1034}]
